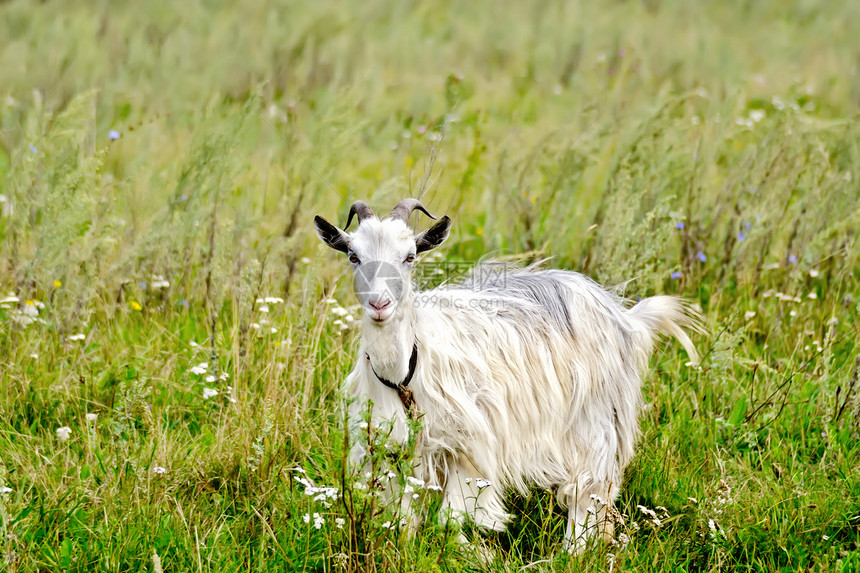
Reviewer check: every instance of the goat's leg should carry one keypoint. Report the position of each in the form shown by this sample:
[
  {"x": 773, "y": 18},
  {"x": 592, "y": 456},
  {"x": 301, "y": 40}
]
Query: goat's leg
[
  {"x": 409, "y": 517},
  {"x": 467, "y": 493},
  {"x": 467, "y": 497},
  {"x": 589, "y": 515}
]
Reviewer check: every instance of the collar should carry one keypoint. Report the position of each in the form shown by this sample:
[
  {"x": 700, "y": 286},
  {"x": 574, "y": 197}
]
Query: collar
[{"x": 403, "y": 390}]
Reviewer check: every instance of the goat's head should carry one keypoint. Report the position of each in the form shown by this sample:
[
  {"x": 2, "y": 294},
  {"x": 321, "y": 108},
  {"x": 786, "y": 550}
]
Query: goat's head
[{"x": 382, "y": 253}]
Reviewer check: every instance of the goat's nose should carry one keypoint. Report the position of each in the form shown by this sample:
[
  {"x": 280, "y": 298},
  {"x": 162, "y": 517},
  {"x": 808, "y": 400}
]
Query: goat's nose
[{"x": 379, "y": 304}]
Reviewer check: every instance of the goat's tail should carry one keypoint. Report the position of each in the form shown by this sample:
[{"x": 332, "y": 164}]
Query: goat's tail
[{"x": 672, "y": 316}]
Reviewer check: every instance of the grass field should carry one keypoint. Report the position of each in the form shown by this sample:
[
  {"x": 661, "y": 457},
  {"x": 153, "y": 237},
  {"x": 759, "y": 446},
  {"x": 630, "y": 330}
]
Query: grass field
[{"x": 160, "y": 166}]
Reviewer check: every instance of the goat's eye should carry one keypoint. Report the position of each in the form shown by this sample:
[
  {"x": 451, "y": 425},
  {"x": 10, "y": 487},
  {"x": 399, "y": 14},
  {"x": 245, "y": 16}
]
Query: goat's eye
[
  {"x": 354, "y": 259},
  {"x": 410, "y": 258}
]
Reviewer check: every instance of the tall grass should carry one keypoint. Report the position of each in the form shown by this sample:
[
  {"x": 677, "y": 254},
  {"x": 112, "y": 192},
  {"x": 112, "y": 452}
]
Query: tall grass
[{"x": 165, "y": 299}]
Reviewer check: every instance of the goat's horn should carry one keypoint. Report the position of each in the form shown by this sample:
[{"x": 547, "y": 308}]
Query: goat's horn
[
  {"x": 361, "y": 209},
  {"x": 405, "y": 207}
]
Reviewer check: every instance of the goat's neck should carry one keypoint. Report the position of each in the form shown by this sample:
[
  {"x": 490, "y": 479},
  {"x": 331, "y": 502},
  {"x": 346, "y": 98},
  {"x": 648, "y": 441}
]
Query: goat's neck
[{"x": 389, "y": 345}]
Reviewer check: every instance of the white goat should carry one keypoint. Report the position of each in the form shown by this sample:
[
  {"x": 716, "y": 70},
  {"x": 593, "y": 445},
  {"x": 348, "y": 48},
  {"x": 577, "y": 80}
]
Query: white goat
[{"x": 524, "y": 377}]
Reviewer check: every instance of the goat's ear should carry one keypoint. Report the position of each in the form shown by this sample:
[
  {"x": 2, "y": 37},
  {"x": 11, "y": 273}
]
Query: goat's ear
[
  {"x": 434, "y": 236},
  {"x": 331, "y": 235}
]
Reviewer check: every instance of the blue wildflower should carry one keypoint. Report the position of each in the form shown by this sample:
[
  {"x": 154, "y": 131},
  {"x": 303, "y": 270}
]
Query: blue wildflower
[
  {"x": 792, "y": 259},
  {"x": 113, "y": 134},
  {"x": 680, "y": 225},
  {"x": 141, "y": 284},
  {"x": 184, "y": 303},
  {"x": 701, "y": 256},
  {"x": 741, "y": 236},
  {"x": 676, "y": 275},
  {"x": 33, "y": 148}
]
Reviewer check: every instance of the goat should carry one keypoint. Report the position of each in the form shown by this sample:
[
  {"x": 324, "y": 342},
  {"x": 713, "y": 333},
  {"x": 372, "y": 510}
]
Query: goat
[{"x": 522, "y": 377}]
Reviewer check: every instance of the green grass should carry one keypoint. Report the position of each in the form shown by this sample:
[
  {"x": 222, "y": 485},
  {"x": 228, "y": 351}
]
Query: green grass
[{"x": 582, "y": 131}]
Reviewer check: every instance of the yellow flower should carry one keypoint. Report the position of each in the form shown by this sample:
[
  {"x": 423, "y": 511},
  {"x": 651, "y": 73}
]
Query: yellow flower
[
  {"x": 57, "y": 284},
  {"x": 479, "y": 231},
  {"x": 136, "y": 305}
]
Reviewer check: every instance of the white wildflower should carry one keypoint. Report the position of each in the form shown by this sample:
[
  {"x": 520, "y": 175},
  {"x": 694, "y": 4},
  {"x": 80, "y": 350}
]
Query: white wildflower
[
  {"x": 650, "y": 513},
  {"x": 318, "y": 521},
  {"x": 223, "y": 376},
  {"x": 339, "y": 311},
  {"x": 339, "y": 522},
  {"x": 158, "y": 470},
  {"x": 77, "y": 337},
  {"x": 813, "y": 273},
  {"x": 749, "y": 314},
  {"x": 757, "y": 115},
  {"x": 307, "y": 518},
  {"x": 812, "y": 295},
  {"x": 386, "y": 525},
  {"x": 305, "y": 260},
  {"x": 64, "y": 433},
  {"x": 415, "y": 482},
  {"x": 5, "y": 489},
  {"x": 209, "y": 393},
  {"x": 200, "y": 368},
  {"x": 481, "y": 483},
  {"x": 193, "y": 344},
  {"x": 255, "y": 326},
  {"x": 210, "y": 378},
  {"x": 91, "y": 417},
  {"x": 158, "y": 282},
  {"x": 263, "y": 308}
]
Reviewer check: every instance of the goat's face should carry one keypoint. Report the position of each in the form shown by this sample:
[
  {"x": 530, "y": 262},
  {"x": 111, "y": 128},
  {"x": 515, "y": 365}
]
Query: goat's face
[{"x": 382, "y": 254}]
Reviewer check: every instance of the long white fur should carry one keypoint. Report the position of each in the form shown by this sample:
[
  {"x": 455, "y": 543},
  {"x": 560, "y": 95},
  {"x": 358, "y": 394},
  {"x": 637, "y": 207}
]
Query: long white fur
[{"x": 525, "y": 377}]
